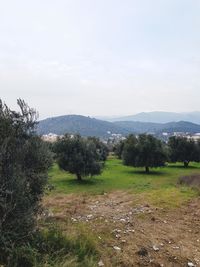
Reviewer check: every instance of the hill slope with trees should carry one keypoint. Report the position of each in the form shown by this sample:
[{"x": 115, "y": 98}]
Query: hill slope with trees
[
  {"x": 86, "y": 126},
  {"x": 76, "y": 124}
]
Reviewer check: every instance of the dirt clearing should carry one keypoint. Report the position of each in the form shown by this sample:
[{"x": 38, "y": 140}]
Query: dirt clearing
[{"x": 130, "y": 231}]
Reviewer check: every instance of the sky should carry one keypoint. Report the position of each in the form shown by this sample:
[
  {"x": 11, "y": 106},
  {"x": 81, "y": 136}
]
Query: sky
[{"x": 100, "y": 57}]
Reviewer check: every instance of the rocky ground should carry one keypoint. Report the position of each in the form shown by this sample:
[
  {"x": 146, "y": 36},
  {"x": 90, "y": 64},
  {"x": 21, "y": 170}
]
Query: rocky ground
[{"x": 132, "y": 232}]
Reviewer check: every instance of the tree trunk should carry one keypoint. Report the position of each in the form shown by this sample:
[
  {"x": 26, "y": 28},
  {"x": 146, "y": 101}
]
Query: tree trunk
[
  {"x": 147, "y": 169},
  {"x": 186, "y": 163},
  {"x": 79, "y": 178}
]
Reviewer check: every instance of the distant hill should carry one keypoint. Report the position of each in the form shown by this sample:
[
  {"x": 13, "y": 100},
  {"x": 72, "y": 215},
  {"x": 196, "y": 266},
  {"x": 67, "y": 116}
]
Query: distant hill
[
  {"x": 160, "y": 117},
  {"x": 86, "y": 126},
  {"x": 76, "y": 124},
  {"x": 148, "y": 127}
]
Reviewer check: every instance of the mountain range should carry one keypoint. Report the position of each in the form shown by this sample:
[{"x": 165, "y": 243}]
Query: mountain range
[
  {"x": 77, "y": 124},
  {"x": 86, "y": 126},
  {"x": 158, "y": 117}
]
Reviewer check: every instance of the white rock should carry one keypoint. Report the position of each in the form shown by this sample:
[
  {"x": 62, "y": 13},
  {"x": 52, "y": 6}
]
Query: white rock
[
  {"x": 176, "y": 247},
  {"x": 117, "y": 248},
  {"x": 100, "y": 263},
  {"x": 190, "y": 264},
  {"x": 155, "y": 248}
]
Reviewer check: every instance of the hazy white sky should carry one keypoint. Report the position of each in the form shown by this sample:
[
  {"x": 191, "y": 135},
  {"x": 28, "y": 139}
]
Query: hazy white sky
[{"x": 100, "y": 57}]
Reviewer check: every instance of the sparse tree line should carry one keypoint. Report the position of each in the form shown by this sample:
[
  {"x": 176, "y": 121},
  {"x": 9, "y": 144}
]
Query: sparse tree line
[{"x": 150, "y": 152}]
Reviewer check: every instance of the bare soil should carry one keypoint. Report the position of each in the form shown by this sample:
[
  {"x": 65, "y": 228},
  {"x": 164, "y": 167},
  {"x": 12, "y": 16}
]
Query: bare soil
[{"x": 130, "y": 231}]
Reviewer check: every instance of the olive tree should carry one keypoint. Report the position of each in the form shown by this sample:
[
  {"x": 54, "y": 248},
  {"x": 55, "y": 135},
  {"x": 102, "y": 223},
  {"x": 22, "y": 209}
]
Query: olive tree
[
  {"x": 144, "y": 151},
  {"x": 24, "y": 161},
  {"x": 183, "y": 150},
  {"x": 78, "y": 156}
]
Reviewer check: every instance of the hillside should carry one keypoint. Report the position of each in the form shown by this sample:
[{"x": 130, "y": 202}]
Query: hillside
[
  {"x": 76, "y": 124},
  {"x": 86, "y": 126},
  {"x": 161, "y": 117},
  {"x": 141, "y": 127}
]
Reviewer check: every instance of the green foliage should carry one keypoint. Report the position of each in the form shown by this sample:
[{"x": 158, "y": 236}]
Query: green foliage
[
  {"x": 144, "y": 151},
  {"x": 101, "y": 148},
  {"x": 24, "y": 162},
  {"x": 183, "y": 150},
  {"x": 118, "y": 149},
  {"x": 52, "y": 248},
  {"x": 117, "y": 176},
  {"x": 79, "y": 156}
]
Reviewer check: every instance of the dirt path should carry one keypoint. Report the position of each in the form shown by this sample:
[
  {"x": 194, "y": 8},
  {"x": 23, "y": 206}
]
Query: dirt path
[{"x": 133, "y": 233}]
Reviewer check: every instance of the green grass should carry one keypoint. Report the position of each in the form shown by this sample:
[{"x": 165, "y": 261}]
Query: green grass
[
  {"x": 52, "y": 247},
  {"x": 119, "y": 177},
  {"x": 158, "y": 188}
]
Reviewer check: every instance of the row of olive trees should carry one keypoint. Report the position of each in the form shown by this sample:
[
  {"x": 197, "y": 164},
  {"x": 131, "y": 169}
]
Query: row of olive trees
[{"x": 148, "y": 151}]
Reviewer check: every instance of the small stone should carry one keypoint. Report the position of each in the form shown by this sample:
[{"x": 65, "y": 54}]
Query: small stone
[
  {"x": 100, "y": 263},
  {"x": 122, "y": 220},
  {"x": 190, "y": 264},
  {"x": 89, "y": 216},
  {"x": 123, "y": 241},
  {"x": 176, "y": 247},
  {"x": 155, "y": 248},
  {"x": 117, "y": 248}
]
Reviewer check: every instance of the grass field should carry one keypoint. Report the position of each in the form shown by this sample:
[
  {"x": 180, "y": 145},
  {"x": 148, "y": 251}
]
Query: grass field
[
  {"x": 159, "y": 186},
  {"x": 158, "y": 209}
]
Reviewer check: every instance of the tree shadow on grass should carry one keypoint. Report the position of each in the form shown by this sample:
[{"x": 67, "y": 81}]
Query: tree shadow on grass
[
  {"x": 84, "y": 182},
  {"x": 150, "y": 173},
  {"x": 183, "y": 167}
]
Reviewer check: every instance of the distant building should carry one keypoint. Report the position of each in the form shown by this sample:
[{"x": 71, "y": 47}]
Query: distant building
[
  {"x": 51, "y": 137},
  {"x": 195, "y": 137}
]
